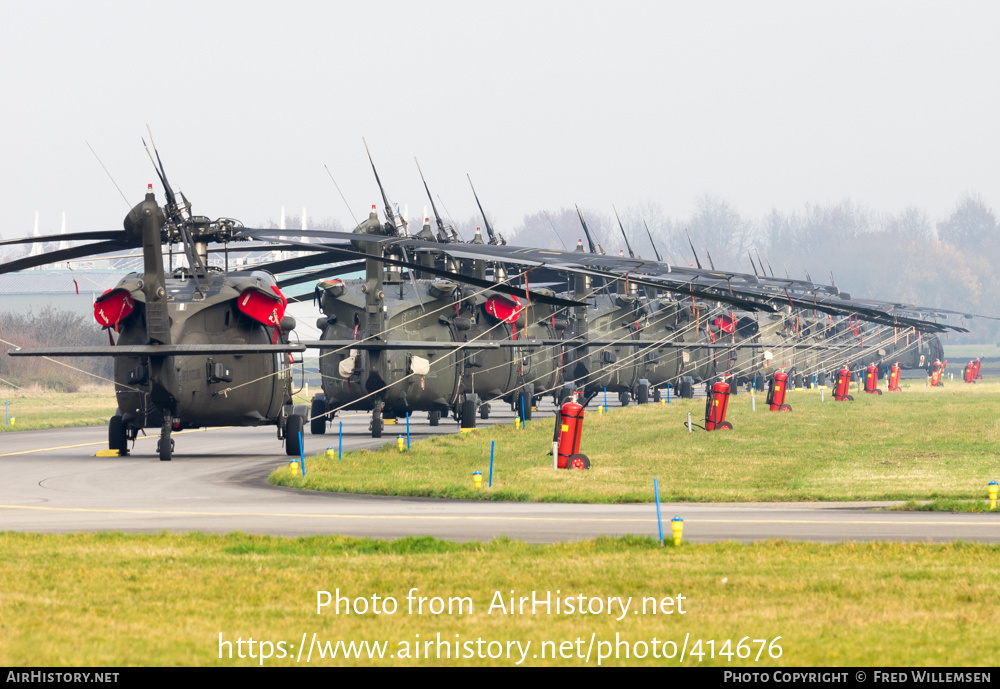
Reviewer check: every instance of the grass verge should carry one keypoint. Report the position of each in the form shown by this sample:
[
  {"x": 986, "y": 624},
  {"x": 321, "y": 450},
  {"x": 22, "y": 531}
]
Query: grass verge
[
  {"x": 920, "y": 444},
  {"x": 945, "y": 505},
  {"x": 35, "y": 408},
  {"x": 112, "y": 599}
]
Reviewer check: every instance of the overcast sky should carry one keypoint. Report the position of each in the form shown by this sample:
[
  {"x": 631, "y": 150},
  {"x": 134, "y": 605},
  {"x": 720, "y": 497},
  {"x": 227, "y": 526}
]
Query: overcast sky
[{"x": 545, "y": 104}]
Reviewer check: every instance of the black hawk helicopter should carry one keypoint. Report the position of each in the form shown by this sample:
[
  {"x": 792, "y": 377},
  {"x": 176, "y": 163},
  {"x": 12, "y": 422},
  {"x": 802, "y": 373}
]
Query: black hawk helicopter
[{"x": 196, "y": 346}]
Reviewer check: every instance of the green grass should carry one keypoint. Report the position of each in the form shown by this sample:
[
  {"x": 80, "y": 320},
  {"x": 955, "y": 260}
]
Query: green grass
[
  {"x": 113, "y": 600},
  {"x": 35, "y": 408},
  {"x": 959, "y": 355},
  {"x": 920, "y": 444},
  {"x": 946, "y": 505}
]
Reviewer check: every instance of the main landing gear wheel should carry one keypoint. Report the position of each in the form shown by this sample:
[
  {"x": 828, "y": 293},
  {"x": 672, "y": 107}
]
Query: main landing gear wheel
[
  {"x": 293, "y": 435},
  {"x": 118, "y": 435},
  {"x": 434, "y": 418},
  {"x": 468, "y": 413},
  {"x": 377, "y": 424},
  {"x": 165, "y": 445},
  {"x": 578, "y": 462},
  {"x": 522, "y": 405},
  {"x": 785, "y": 407},
  {"x": 317, "y": 424},
  {"x": 726, "y": 426},
  {"x": 642, "y": 396}
]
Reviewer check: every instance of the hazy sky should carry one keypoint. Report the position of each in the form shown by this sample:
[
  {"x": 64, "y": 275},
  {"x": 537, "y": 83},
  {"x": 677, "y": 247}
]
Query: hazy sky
[{"x": 545, "y": 104}]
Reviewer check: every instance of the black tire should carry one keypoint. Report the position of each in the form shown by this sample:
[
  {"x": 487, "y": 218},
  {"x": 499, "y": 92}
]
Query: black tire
[
  {"x": 165, "y": 449},
  {"x": 522, "y": 401},
  {"x": 484, "y": 411},
  {"x": 118, "y": 435},
  {"x": 624, "y": 398},
  {"x": 877, "y": 391},
  {"x": 849, "y": 398},
  {"x": 785, "y": 407},
  {"x": 434, "y": 418},
  {"x": 725, "y": 426},
  {"x": 578, "y": 462},
  {"x": 656, "y": 396},
  {"x": 468, "y": 419},
  {"x": 642, "y": 395},
  {"x": 293, "y": 435},
  {"x": 317, "y": 425},
  {"x": 939, "y": 385}
]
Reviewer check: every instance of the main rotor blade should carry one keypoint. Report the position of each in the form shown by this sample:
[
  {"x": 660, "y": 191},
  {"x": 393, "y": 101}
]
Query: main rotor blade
[
  {"x": 76, "y": 236},
  {"x": 64, "y": 255}
]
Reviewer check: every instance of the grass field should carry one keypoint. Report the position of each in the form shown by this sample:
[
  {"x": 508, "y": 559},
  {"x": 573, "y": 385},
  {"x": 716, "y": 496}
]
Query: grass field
[
  {"x": 114, "y": 600},
  {"x": 920, "y": 444},
  {"x": 35, "y": 408},
  {"x": 958, "y": 355}
]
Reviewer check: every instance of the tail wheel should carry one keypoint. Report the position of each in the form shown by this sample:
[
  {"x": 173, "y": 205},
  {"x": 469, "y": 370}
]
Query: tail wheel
[
  {"x": 579, "y": 462},
  {"x": 317, "y": 424},
  {"x": 785, "y": 407},
  {"x": 726, "y": 426}
]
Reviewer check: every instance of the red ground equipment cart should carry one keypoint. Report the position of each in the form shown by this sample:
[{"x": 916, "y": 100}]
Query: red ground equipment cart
[
  {"x": 777, "y": 388},
  {"x": 841, "y": 392},
  {"x": 715, "y": 408},
  {"x": 871, "y": 380}
]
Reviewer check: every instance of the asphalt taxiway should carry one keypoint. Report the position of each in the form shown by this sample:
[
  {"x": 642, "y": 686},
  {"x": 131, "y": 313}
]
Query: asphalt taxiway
[{"x": 51, "y": 481}]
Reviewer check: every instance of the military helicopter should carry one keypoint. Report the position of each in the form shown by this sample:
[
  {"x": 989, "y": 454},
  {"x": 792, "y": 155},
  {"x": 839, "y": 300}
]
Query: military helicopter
[{"x": 196, "y": 346}]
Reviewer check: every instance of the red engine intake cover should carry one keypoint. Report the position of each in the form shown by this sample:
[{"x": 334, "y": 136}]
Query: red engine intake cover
[
  {"x": 265, "y": 308},
  {"x": 112, "y": 307},
  {"x": 726, "y": 324},
  {"x": 503, "y": 308}
]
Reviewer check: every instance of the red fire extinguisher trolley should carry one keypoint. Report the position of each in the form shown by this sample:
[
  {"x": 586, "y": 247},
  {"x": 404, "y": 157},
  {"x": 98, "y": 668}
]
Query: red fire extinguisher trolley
[
  {"x": 715, "y": 408},
  {"x": 841, "y": 392},
  {"x": 871, "y": 380},
  {"x": 777, "y": 388},
  {"x": 569, "y": 438},
  {"x": 894, "y": 378},
  {"x": 936, "y": 374},
  {"x": 970, "y": 372}
]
